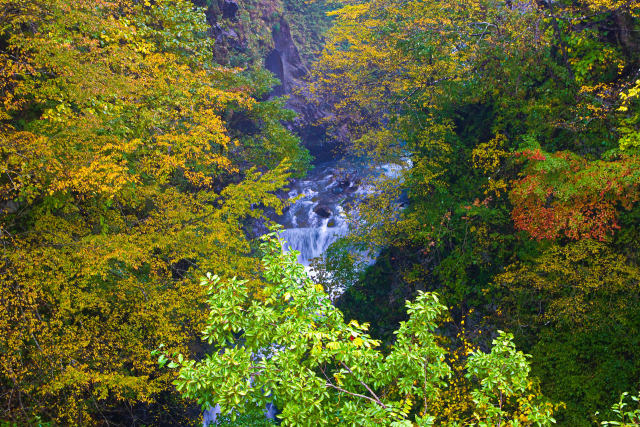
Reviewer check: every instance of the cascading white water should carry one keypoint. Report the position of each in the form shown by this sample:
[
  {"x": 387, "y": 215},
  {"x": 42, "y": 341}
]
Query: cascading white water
[
  {"x": 317, "y": 218},
  {"x": 312, "y": 242}
]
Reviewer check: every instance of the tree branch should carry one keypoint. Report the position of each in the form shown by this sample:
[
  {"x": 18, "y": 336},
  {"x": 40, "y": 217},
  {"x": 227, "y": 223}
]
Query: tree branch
[
  {"x": 377, "y": 402},
  {"x": 377, "y": 399}
]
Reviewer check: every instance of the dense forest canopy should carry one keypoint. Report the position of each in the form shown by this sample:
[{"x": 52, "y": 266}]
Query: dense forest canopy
[
  {"x": 142, "y": 147},
  {"x": 521, "y": 122},
  {"x": 124, "y": 172}
]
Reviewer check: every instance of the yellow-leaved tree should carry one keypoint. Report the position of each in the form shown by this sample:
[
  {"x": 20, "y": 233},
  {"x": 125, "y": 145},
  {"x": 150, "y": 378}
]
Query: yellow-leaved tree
[{"x": 123, "y": 170}]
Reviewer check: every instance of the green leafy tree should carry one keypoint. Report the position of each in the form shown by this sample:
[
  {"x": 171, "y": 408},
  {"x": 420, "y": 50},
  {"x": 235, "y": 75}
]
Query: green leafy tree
[
  {"x": 521, "y": 122},
  {"x": 294, "y": 348}
]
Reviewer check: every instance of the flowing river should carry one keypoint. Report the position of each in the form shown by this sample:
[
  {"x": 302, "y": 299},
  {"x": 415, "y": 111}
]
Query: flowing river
[
  {"x": 329, "y": 192},
  {"x": 322, "y": 203},
  {"x": 317, "y": 217}
]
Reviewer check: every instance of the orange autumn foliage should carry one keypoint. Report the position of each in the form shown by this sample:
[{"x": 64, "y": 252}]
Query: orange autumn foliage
[{"x": 564, "y": 195}]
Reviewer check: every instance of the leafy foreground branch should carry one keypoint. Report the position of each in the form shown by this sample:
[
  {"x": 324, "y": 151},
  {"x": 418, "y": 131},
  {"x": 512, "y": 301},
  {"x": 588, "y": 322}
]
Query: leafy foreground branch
[
  {"x": 625, "y": 413},
  {"x": 291, "y": 346}
]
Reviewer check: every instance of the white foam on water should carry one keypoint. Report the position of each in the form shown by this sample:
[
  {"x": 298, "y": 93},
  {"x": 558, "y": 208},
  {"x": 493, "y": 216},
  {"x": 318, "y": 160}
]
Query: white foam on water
[{"x": 312, "y": 242}]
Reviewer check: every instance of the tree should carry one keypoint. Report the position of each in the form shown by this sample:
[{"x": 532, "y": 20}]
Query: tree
[
  {"x": 123, "y": 171},
  {"x": 572, "y": 301},
  {"x": 295, "y": 349},
  {"x": 520, "y": 120}
]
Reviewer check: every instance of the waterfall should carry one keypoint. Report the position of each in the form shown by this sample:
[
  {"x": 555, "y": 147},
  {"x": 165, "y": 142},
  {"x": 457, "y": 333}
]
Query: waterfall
[
  {"x": 312, "y": 242},
  {"x": 316, "y": 218}
]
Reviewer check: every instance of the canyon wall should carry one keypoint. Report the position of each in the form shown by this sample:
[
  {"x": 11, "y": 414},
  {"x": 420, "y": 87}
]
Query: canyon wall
[{"x": 284, "y": 37}]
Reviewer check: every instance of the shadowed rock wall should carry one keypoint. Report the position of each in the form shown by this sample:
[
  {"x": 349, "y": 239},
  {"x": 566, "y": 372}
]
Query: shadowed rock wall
[{"x": 260, "y": 33}]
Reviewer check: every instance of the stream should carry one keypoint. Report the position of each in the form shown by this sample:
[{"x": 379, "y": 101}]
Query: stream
[
  {"x": 317, "y": 217},
  {"x": 322, "y": 203}
]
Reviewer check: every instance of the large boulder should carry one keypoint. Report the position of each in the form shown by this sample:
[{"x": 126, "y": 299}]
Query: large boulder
[
  {"x": 322, "y": 211},
  {"x": 236, "y": 38}
]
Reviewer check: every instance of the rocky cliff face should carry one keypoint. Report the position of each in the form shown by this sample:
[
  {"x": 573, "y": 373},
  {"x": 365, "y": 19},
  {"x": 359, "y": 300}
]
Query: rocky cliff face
[
  {"x": 285, "y": 62},
  {"x": 259, "y": 32}
]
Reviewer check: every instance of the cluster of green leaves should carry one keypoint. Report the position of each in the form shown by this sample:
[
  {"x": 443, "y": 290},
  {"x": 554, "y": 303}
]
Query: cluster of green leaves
[
  {"x": 129, "y": 161},
  {"x": 626, "y": 416},
  {"x": 295, "y": 349}
]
